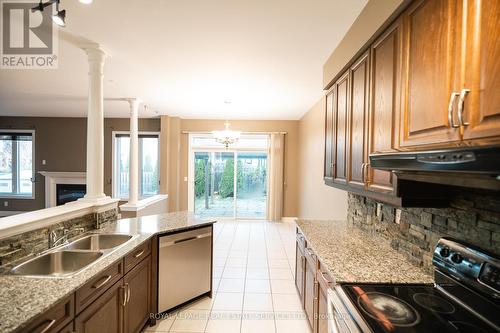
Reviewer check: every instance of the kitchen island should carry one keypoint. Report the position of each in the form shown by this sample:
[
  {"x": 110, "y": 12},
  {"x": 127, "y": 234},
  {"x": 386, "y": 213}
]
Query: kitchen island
[{"x": 24, "y": 299}]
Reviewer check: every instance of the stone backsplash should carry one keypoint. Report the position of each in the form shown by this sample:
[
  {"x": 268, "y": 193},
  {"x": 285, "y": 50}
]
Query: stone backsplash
[
  {"x": 472, "y": 216},
  {"x": 35, "y": 241}
]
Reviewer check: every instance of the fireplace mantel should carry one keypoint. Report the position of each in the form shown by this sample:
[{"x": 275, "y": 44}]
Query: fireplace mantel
[{"x": 54, "y": 178}]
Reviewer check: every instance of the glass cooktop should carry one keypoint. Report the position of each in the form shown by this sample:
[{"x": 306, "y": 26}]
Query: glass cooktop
[{"x": 412, "y": 308}]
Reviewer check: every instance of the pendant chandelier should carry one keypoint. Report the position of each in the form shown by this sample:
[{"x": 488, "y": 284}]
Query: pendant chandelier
[{"x": 226, "y": 136}]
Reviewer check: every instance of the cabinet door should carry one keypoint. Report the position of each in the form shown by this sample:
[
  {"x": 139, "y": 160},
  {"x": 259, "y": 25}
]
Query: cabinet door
[
  {"x": 341, "y": 105},
  {"x": 357, "y": 121},
  {"x": 105, "y": 314},
  {"x": 482, "y": 67},
  {"x": 385, "y": 89},
  {"x": 310, "y": 288},
  {"x": 137, "y": 285},
  {"x": 324, "y": 281},
  {"x": 329, "y": 126},
  {"x": 300, "y": 261},
  {"x": 431, "y": 31}
]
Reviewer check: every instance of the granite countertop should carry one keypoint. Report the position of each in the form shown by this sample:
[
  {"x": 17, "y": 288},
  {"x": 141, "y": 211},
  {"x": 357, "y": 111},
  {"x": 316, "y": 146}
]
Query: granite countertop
[
  {"x": 352, "y": 255},
  {"x": 23, "y": 298}
]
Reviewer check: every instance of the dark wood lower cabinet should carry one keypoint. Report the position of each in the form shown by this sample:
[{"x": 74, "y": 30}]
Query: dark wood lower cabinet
[
  {"x": 310, "y": 287},
  {"x": 300, "y": 261},
  {"x": 324, "y": 282},
  {"x": 137, "y": 285},
  {"x": 313, "y": 285},
  {"x": 105, "y": 314}
]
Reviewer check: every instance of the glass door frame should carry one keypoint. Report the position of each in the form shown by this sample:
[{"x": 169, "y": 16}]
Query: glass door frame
[{"x": 235, "y": 151}]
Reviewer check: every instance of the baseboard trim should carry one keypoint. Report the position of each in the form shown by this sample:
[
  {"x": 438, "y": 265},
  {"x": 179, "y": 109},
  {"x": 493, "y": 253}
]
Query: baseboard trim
[{"x": 288, "y": 219}]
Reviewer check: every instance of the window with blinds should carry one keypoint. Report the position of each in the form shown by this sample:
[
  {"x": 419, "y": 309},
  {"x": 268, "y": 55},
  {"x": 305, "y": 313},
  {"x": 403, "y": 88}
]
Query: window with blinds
[{"x": 17, "y": 163}]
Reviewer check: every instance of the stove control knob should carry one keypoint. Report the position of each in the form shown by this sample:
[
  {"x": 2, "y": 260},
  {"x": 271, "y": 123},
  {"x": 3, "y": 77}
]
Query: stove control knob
[
  {"x": 457, "y": 258},
  {"x": 444, "y": 252}
]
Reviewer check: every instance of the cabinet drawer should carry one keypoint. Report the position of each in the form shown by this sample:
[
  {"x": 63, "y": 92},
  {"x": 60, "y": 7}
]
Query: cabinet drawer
[
  {"x": 324, "y": 278},
  {"x": 311, "y": 258},
  {"x": 98, "y": 285},
  {"x": 134, "y": 257},
  {"x": 67, "y": 329},
  {"x": 301, "y": 241},
  {"x": 55, "y": 319}
]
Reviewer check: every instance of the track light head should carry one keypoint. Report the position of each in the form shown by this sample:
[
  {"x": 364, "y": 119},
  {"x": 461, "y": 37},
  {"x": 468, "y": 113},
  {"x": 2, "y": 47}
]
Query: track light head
[
  {"x": 60, "y": 18},
  {"x": 37, "y": 8}
]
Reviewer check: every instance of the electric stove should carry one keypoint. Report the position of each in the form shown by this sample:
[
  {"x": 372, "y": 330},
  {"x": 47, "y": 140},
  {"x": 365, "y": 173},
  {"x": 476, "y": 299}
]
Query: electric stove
[{"x": 464, "y": 298}]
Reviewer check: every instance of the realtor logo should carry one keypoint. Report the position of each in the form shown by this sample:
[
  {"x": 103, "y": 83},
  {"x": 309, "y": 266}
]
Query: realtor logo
[{"x": 29, "y": 39}]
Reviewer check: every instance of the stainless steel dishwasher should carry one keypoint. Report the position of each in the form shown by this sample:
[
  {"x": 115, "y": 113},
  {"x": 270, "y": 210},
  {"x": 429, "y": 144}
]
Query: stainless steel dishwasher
[{"x": 185, "y": 267}]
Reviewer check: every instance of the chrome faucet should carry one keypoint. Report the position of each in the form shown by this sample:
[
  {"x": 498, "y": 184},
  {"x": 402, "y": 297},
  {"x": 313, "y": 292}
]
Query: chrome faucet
[{"x": 54, "y": 240}]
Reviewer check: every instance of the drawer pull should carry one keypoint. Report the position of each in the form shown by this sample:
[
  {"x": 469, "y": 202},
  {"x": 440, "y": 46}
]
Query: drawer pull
[
  {"x": 327, "y": 282},
  {"x": 99, "y": 285},
  {"x": 50, "y": 323},
  {"x": 138, "y": 254},
  {"x": 310, "y": 252}
]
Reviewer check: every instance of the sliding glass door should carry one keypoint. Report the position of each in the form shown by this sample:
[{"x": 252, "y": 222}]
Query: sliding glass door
[
  {"x": 251, "y": 194},
  {"x": 214, "y": 184},
  {"x": 223, "y": 188}
]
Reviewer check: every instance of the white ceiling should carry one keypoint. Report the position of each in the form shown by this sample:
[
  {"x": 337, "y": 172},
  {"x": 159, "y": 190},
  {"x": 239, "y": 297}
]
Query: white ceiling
[{"x": 185, "y": 57}]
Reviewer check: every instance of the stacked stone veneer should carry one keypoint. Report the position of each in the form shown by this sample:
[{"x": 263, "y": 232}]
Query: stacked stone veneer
[
  {"x": 22, "y": 245},
  {"x": 472, "y": 216}
]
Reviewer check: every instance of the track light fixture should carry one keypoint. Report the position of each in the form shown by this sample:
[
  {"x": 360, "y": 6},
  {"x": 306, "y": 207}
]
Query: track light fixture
[{"x": 60, "y": 17}]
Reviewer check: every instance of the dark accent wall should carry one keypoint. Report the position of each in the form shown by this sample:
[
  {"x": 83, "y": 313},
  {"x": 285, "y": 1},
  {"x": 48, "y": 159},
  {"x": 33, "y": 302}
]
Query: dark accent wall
[
  {"x": 62, "y": 142},
  {"x": 473, "y": 216}
]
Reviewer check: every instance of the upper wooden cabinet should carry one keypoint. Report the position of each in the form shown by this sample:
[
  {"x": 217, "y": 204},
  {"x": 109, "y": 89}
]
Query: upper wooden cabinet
[
  {"x": 430, "y": 80},
  {"x": 329, "y": 126},
  {"x": 481, "y": 82},
  {"x": 340, "y": 113},
  {"x": 430, "y": 59},
  {"x": 384, "y": 103},
  {"x": 357, "y": 121}
]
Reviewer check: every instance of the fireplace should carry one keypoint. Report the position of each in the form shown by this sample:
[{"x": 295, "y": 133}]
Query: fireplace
[
  {"x": 69, "y": 192},
  {"x": 56, "y": 190}
]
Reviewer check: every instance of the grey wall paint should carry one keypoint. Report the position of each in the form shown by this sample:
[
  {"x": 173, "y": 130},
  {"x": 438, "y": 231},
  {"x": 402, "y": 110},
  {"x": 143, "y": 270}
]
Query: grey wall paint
[
  {"x": 473, "y": 216},
  {"x": 62, "y": 142}
]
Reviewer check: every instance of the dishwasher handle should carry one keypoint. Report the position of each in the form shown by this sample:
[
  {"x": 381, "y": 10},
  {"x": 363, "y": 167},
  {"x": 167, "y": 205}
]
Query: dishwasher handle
[{"x": 177, "y": 241}]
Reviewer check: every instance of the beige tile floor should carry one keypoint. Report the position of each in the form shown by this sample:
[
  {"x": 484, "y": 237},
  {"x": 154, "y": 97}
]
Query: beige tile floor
[{"x": 254, "y": 287}]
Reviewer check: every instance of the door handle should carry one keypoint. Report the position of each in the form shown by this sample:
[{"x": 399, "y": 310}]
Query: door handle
[
  {"x": 453, "y": 97},
  {"x": 461, "y": 102},
  {"x": 124, "y": 288}
]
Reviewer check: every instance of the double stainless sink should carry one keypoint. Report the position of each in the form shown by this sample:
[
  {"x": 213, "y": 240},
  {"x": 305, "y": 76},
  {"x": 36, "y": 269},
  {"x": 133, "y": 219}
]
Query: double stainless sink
[{"x": 71, "y": 258}]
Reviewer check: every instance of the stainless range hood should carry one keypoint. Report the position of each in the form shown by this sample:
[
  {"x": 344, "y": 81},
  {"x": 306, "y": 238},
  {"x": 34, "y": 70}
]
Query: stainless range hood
[{"x": 465, "y": 166}]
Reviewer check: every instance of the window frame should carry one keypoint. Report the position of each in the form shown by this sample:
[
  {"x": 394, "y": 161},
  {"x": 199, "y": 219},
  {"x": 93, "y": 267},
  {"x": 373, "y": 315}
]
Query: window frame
[
  {"x": 4, "y": 195},
  {"x": 114, "y": 165}
]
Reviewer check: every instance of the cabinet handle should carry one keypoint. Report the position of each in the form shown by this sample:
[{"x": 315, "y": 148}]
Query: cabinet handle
[
  {"x": 99, "y": 285},
  {"x": 128, "y": 292},
  {"x": 124, "y": 288},
  {"x": 453, "y": 96},
  {"x": 303, "y": 261},
  {"x": 316, "y": 291},
  {"x": 461, "y": 101},
  {"x": 50, "y": 323},
  {"x": 363, "y": 172},
  {"x": 138, "y": 254},
  {"x": 325, "y": 280}
]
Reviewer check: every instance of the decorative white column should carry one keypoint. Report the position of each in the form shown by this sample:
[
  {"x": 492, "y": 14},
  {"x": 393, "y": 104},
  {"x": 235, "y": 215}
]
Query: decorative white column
[
  {"x": 95, "y": 126},
  {"x": 133, "y": 193}
]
